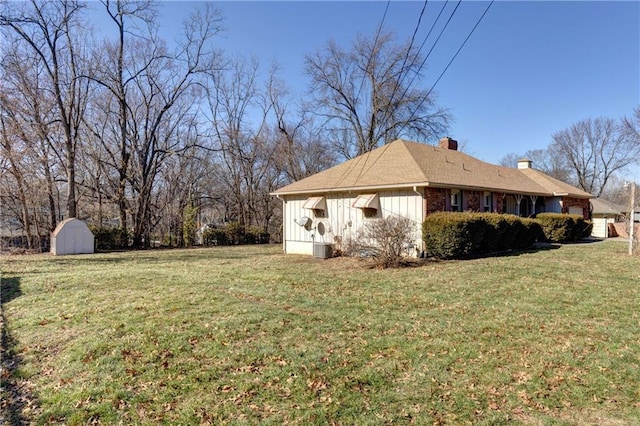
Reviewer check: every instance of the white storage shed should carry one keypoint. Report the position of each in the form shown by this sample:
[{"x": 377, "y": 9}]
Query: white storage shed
[{"x": 72, "y": 236}]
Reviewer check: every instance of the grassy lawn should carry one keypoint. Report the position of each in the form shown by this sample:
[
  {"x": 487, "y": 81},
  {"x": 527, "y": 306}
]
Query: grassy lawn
[{"x": 246, "y": 335}]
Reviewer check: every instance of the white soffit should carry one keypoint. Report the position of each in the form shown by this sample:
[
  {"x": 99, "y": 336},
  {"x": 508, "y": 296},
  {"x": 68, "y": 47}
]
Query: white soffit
[
  {"x": 315, "y": 203},
  {"x": 367, "y": 201}
]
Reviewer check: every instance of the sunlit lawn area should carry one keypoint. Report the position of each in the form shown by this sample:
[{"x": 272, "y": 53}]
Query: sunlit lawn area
[{"x": 246, "y": 335}]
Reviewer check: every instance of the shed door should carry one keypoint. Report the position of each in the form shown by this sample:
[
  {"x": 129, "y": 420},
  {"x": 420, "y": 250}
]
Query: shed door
[{"x": 599, "y": 227}]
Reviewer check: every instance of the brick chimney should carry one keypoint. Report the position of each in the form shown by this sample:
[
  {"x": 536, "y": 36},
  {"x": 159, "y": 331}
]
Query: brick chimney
[{"x": 448, "y": 143}]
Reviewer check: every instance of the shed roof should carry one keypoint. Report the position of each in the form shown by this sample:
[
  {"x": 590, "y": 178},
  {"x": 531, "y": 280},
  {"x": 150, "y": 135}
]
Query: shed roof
[{"x": 406, "y": 164}]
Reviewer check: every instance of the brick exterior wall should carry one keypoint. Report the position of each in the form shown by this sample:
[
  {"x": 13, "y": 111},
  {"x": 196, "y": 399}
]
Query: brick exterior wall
[
  {"x": 437, "y": 200},
  {"x": 571, "y": 202}
]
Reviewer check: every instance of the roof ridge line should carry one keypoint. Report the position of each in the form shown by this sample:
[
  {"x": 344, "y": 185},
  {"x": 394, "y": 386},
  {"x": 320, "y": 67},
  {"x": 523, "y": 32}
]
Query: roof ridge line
[{"x": 414, "y": 159}]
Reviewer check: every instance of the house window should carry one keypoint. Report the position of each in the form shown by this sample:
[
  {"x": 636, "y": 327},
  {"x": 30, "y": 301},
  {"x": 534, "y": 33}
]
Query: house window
[
  {"x": 370, "y": 213},
  {"x": 456, "y": 197},
  {"x": 319, "y": 214},
  {"x": 368, "y": 204},
  {"x": 487, "y": 201}
]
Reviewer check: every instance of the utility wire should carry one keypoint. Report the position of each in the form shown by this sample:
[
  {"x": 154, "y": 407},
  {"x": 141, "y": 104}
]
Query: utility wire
[
  {"x": 375, "y": 42},
  {"x": 404, "y": 62},
  {"x": 406, "y": 89},
  {"x": 415, "y": 31},
  {"x": 424, "y": 61},
  {"x": 404, "y": 75},
  {"x": 449, "y": 64}
]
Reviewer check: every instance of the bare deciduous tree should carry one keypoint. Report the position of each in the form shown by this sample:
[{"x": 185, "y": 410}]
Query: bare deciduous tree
[
  {"x": 29, "y": 135},
  {"x": 151, "y": 91},
  {"x": 631, "y": 125},
  {"x": 594, "y": 150},
  {"x": 117, "y": 67},
  {"x": 367, "y": 95},
  {"x": 48, "y": 30},
  {"x": 301, "y": 151},
  {"x": 544, "y": 160}
]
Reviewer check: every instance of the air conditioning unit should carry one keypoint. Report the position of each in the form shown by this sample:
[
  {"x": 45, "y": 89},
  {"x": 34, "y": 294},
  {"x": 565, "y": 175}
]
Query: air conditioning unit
[{"x": 322, "y": 250}]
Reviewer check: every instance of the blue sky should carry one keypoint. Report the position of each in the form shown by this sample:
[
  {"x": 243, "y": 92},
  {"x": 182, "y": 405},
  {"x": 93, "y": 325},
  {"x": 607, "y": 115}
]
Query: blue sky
[{"x": 530, "y": 69}]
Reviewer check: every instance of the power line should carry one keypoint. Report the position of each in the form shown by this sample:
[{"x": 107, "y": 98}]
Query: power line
[
  {"x": 460, "y": 48},
  {"x": 424, "y": 61},
  {"x": 417, "y": 72},
  {"x": 406, "y": 57},
  {"x": 375, "y": 42},
  {"x": 449, "y": 64},
  {"x": 406, "y": 89}
]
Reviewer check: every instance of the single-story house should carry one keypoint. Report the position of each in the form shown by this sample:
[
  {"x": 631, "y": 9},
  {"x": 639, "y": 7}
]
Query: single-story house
[{"x": 413, "y": 180}]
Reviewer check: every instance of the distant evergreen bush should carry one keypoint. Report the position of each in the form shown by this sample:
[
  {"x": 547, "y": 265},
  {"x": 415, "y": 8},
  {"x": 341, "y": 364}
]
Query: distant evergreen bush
[
  {"x": 110, "y": 238},
  {"x": 233, "y": 234}
]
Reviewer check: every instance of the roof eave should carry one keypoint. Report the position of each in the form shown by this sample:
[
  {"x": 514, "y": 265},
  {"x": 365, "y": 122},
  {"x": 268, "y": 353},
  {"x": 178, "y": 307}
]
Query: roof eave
[
  {"x": 426, "y": 184},
  {"x": 350, "y": 189},
  {"x": 569, "y": 194},
  {"x": 405, "y": 186}
]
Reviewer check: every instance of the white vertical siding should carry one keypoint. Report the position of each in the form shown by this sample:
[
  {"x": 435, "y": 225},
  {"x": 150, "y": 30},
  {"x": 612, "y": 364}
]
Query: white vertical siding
[
  {"x": 297, "y": 240},
  {"x": 342, "y": 221},
  {"x": 405, "y": 203}
]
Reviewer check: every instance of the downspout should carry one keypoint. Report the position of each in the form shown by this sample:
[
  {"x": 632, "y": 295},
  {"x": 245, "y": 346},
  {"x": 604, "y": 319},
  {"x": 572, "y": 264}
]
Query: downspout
[
  {"x": 420, "y": 251},
  {"x": 284, "y": 221}
]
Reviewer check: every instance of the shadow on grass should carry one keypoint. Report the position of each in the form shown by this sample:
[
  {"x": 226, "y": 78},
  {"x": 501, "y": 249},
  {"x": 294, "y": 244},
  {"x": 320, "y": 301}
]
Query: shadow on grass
[
  {"x": 537, "y": 247},
  {"x": 507, "y": 253},
  {"x": 14, "y": 397},
  {"x": 226, "y": 252}
]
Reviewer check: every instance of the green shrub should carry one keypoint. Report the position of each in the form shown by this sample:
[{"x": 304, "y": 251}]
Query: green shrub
[
  {"x": 255, "y": 235},
  {"x": 110, "y": 238},
  {"x": 232, "y": 234},
  {"x": 582, "y": 229},
  {"x": 561, "y": 228},
  {"x": 556, "y": 226},
  {"x": 235, "y": 233},
  {"x": 214, "y": 237},
  {"x": 189, "y": 224},
  {"x": 450, "y": 235},
  {"x": 498, "y": 235},
  {"x": 531, "y": 233}
]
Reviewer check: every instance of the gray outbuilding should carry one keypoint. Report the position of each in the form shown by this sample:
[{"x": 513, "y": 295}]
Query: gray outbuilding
[{"x": 72, "y": 236}]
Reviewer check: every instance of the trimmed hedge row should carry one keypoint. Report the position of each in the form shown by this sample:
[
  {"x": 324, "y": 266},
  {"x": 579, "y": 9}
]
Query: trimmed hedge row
[
  {"x": 564, "y": 227},
  {"x": 449, "y": 235}
]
